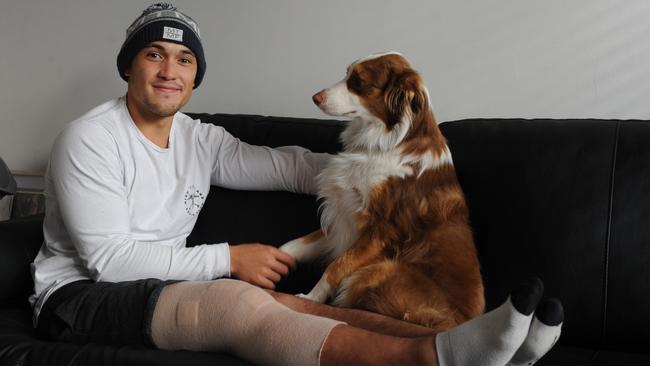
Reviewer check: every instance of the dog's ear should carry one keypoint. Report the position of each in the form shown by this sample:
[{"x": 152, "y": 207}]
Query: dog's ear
[{"x": 404, "y": 91}]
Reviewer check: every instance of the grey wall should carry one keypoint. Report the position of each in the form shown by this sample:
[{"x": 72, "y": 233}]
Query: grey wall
[{"x": 480, "y": 58}]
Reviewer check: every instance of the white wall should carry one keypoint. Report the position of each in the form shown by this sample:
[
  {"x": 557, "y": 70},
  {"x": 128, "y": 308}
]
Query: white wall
[{"x": 480, "y": 58}]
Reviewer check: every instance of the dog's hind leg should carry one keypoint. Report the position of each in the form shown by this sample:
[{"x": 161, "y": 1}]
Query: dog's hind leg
[
  {"x": 357, "y": 290},
  {"x": 393, "y": 289},
  {"x": 307, "y": 248}
]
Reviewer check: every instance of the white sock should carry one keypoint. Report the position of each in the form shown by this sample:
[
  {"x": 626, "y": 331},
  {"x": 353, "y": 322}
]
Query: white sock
[
  {"x": 492, "y": 338},
  {"x": 542, "y": 335},
  {"x": 489, "y": 340}
]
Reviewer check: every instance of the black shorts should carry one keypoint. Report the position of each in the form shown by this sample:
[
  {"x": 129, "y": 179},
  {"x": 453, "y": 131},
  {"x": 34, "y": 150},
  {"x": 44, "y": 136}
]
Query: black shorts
[{"x": 102, "y": 312}]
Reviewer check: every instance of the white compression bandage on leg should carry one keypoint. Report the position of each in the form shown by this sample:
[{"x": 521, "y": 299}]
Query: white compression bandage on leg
[{"x": 237, "y": 317}]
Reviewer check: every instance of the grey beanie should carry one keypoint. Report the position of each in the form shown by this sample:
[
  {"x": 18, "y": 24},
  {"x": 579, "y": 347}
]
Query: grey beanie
[{"x": 161, "y": 22}]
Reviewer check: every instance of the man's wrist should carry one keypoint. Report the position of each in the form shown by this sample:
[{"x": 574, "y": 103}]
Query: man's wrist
[{"x": 232, "y": 268}]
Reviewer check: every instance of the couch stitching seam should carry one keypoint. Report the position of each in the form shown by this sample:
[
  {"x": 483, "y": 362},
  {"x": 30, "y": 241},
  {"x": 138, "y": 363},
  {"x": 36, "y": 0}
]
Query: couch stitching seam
[
  {"x": 593, "y": 358},
  {"x": 609, "y": 234}
]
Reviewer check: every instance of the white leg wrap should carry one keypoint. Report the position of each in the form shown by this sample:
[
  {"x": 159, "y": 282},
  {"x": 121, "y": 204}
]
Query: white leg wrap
[{"x": 236, "y": 317}]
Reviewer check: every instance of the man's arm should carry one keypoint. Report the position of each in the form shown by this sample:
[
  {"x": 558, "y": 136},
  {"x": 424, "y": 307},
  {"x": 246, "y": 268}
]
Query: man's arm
[
  {"x": 239, "y": 165},
  {"x": 88, "y": 181}
]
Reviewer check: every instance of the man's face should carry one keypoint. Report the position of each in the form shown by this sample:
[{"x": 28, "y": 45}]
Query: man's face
[{"x": 161, "y": 78}]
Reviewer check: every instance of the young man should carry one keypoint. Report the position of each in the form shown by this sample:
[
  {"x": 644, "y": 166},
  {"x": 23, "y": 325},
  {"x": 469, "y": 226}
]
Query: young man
[{"x": 124, "y": 187}]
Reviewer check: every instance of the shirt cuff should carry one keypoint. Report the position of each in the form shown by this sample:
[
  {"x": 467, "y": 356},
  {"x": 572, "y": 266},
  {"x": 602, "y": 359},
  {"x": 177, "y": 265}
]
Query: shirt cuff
[{"x": 221, "y": 265}]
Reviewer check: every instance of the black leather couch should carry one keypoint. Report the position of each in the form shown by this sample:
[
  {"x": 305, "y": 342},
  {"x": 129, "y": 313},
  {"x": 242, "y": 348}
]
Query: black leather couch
[{"x": 567, "y": 200}]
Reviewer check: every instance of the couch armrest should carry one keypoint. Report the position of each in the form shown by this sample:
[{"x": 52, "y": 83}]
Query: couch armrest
[{"x": 20, "y": 241}]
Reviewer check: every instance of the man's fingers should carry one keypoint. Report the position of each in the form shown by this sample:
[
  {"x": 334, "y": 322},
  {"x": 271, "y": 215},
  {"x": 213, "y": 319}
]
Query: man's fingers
[
  {"x": 273, "y": 275},
  {"x": 266, "y": 283},
  {"x": 260, "y": 264},
  {"x": 284, "y": 258},
  {"x": 279, "y": 267}
]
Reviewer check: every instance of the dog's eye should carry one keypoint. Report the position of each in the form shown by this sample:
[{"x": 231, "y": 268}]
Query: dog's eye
[{"x": 354, "y": 81}]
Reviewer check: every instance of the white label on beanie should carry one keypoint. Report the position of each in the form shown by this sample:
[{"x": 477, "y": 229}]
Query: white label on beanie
[{"x": 173, "y": 34}]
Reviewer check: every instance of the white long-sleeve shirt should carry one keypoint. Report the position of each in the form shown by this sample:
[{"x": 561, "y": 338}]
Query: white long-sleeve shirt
[{"x": 119, "y": 207}]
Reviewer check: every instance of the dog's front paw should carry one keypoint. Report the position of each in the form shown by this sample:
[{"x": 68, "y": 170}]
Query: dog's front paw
[{"x": 313, "y": 296}]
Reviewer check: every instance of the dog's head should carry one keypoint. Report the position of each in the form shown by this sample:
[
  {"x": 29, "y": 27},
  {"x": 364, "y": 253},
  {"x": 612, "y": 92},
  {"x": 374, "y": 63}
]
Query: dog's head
[{"x": 383, "y": 94}]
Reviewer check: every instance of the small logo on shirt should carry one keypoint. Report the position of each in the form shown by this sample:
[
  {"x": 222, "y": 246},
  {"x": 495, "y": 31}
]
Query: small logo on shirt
[
  {"x": 173, "y": 34},
  {"x": 194, "y": 200}
]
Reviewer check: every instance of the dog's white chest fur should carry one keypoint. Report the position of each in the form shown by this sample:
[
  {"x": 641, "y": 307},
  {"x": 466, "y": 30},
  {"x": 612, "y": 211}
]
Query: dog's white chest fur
[{"x": 346, "y": 184}]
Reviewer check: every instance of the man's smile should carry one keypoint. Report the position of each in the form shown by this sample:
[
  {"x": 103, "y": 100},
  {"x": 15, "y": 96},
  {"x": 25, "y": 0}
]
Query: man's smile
[{"x": 167, "y": 88}]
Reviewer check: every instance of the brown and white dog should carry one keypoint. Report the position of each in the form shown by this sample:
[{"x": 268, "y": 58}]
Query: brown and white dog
[{"x": 394, "y": 220}]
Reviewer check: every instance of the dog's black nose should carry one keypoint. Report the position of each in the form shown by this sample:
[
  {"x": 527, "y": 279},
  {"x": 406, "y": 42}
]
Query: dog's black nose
[{"x": 318, "y": 98}]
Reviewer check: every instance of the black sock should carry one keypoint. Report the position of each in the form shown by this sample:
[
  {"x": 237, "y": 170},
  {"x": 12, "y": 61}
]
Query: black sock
[{"x": 527, "y": 295}]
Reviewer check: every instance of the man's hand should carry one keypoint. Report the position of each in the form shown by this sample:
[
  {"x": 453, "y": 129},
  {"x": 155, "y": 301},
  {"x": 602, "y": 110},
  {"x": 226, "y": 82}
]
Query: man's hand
[{"x": 259, "y": 264}]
